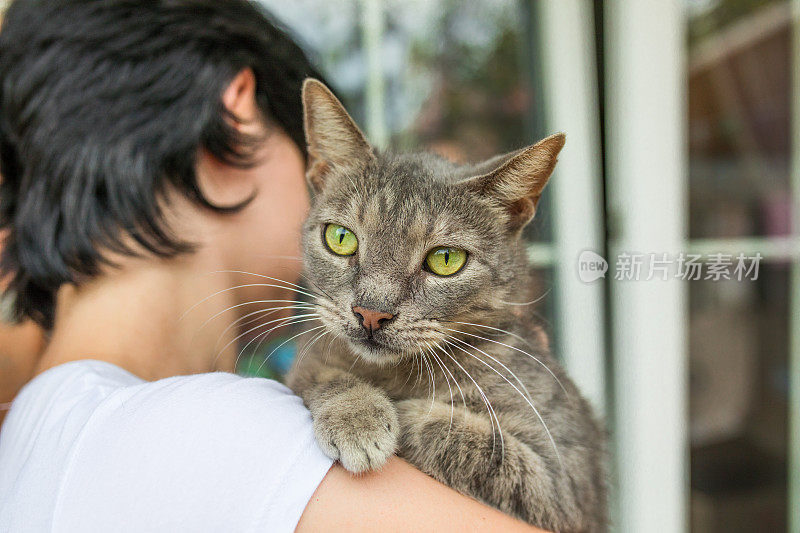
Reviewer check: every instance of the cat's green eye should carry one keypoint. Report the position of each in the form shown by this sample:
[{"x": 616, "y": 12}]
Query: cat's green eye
[
  {"x": 446, "y": 261},
  {"x": 340, "y": 240}
]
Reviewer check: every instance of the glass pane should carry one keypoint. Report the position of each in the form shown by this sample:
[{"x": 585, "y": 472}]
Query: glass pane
[
  {"x": 739, "y": 86},
  {"x": 738, "y": 402},
  {"x": 738, "y": 74}
]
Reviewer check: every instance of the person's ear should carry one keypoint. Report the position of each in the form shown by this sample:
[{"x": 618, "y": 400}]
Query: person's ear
[
  {"x": 239, "y": 97},
  {"x": 222, "y": 184},
  {"x": 334, "y": 140},
  {"x": 516, "y": 180}
]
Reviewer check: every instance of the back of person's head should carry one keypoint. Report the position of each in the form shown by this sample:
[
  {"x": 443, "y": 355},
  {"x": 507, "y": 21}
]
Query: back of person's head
[{"x": 104, "y": 106}]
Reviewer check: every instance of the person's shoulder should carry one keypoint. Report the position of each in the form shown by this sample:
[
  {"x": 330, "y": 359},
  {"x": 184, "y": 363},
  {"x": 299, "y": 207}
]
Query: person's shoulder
[
  {"x": 213, "y": 392},
  {"x": 195, "y": 449},
  {"x": 197, "y": 404},
  {"x": 107, "y": 393}
]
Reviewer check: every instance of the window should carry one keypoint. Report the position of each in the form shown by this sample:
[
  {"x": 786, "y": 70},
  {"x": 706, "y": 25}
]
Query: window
[{"x": 740, "y": 201}]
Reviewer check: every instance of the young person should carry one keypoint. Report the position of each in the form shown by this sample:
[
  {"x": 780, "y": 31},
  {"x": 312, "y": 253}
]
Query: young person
[{"x": 153, "y": 158}]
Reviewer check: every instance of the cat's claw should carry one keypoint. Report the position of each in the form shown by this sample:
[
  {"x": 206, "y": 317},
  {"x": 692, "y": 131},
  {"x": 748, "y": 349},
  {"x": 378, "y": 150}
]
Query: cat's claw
[{"x": 358, "y": 428}]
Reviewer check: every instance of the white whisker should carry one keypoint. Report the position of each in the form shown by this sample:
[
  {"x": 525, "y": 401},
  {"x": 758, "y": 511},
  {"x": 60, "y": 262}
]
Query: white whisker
[
  {"x": 356, "y": 360},
  {"x": 284, "y": 321},
  {"x": 511, "y": 372},
  {"x": 449, "y": 388},
  {"x": 251, "y": 302},
  {"x": 523, "y": 339},
  {"x": 330, "y": 344},
  {"x": 432, "y": 383},
  {"x": 536, "y": 411},
  {"x": 537, "y": 300},
  {"x": 518, "y": 350},
  {"x": 410, "y": 373},
  {"x": 260, "y": 276},
  {"x": 488, "y": 407},
  {"x": 316, "y": 286},
  {"x": 419, "y": 370},
  {"x": 461, "y": 392},
  {"x": 262, "y": 313},
  {"x": 308, "y": 345},
  {"x": 284, "y": 342},
  {"x": 244, "y": 286},
  {"x": 264, "y": 334}
]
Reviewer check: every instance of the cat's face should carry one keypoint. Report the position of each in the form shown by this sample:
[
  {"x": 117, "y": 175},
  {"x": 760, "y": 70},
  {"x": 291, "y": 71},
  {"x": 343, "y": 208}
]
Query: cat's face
[
  {"x": 403, "y": 248},
  {"x": 389, "y": 217}
]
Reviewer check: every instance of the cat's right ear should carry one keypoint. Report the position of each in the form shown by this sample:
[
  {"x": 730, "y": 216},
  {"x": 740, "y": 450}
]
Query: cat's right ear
[
  {"x": 332, "y": 137},
  {"x": 516, "y": 180}
]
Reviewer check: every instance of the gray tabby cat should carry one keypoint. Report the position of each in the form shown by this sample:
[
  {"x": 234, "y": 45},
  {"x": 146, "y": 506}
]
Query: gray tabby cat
[{"x": 417, "y": 263}]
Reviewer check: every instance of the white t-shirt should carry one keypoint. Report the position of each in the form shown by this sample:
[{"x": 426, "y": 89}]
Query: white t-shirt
[{"x": 88, "y": 447}]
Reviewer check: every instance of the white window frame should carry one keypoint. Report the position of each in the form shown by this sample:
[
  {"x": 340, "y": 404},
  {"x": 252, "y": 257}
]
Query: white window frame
[
  {"x": 647, "y": 197},
  {"x": 569, "y": 76}
]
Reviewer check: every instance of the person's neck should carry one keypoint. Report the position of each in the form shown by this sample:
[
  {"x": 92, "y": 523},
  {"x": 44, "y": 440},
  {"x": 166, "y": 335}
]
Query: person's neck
[{"x": 149, "y": 317}]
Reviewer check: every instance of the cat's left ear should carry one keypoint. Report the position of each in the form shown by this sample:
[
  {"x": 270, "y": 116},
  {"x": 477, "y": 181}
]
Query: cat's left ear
[
  {"x": 517, "y": 179},
  {"x": 332, "y": 137}
]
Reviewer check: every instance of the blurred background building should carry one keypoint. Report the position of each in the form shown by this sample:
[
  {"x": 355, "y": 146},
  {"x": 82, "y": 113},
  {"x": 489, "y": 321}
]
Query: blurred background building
[{"x": 681, "y": 127}]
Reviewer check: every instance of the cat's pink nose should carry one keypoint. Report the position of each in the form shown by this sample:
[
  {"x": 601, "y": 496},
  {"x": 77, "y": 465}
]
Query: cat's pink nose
[{"x": 371, "y": 319}]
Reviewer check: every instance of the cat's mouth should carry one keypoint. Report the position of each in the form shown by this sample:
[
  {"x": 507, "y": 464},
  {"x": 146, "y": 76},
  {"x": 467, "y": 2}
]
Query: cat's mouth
[
  {"x": 371, "y": 344},
  {"x": 372, "y": 347}
]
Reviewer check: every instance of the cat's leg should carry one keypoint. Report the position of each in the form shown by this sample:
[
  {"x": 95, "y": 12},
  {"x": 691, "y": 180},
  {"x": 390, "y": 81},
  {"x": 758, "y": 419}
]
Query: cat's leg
[
  {"x": 465, "y": 455},
  {"x": 354, "y": 421}
]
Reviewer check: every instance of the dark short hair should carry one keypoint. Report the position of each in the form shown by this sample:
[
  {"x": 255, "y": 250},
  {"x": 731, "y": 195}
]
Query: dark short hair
[{"x": 104, "y": 105}]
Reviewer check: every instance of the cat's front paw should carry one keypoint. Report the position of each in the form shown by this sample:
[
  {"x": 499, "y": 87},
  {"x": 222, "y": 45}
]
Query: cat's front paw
[{"x": 358, "y": 426}]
